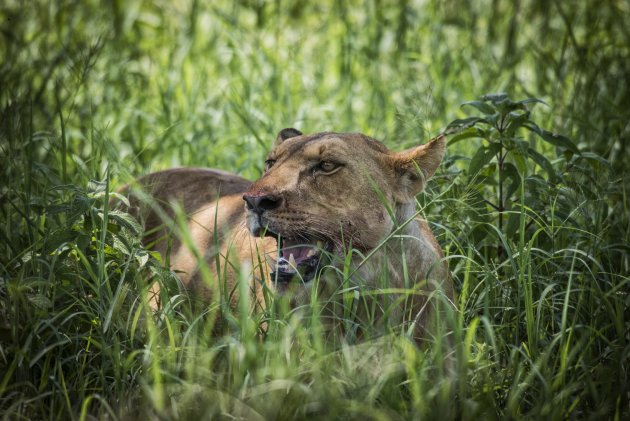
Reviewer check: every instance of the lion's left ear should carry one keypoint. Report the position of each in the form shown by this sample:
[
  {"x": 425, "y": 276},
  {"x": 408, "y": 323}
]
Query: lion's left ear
[
  {"x": 413, "y": 167},
  {"x": 286, "y": 134}
]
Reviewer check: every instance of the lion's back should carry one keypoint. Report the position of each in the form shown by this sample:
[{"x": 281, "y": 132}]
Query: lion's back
[
  {"x": 153, "y": 198},
  {"x": 192, "y": 186}
]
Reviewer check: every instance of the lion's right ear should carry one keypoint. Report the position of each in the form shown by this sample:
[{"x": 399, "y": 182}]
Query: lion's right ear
[
  {"x": 286, "y": 134},
  {"x": 416, "y": 165}
]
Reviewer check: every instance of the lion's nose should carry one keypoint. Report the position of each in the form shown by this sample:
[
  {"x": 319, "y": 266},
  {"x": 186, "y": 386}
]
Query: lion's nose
[{"x": 260, "y": 203}]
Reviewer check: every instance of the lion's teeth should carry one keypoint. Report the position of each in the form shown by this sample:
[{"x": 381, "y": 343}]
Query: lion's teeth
[
  {"x": 292, "y": 261},
  {"x": 283, "y": 268},
  {"x": 320, "y": 244},
  {"x": 284, "y": 265}
]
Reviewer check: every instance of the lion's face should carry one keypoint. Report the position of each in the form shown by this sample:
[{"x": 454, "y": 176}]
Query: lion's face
[{"x": 323, "y": 193}]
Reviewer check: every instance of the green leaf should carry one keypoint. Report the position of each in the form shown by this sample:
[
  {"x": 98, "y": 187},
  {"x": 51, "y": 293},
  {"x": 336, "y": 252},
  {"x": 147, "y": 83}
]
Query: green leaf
[
  {"x": 511, "y": 172},
  {"x": 483, "y": 156},
  {"x": 57, "y": 209},
  {"x": 594, "y": 157},
  {"x": 464, "y": 123},
  {"x": 120, "y": 245},
  {"x": 515, "y": 144},
  {"x": 481, "y": 106},
  {"x": 517, "y": 120},
  {"x": 125, "y": 220},
  {"x": 512, "y": 225},
  {"x": 119, "y": 198},
  {"x": 468, "y": 133},
  {"x": 95, "y": 186},
  {"x": 557, "y": 140},
  {"x": 519, "y": 157},
  {"x": 40, "y": 301},
  {"x": 544, "y": 163},
  {"x": 531, "y": 101},
  {"x": 83, "y": 241},
  {"x": 80, "y": 205},
  {"x": 494, "y": 98},
  {"x": 142, "y": 257}
]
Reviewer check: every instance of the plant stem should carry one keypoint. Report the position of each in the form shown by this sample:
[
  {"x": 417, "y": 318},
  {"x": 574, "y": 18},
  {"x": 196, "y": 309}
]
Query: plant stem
[{"x": 500, "y": 204}]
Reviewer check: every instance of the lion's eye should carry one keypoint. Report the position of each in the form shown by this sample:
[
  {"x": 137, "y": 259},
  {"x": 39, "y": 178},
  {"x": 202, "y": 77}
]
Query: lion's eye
[
  {"x": 269, "y": 163},
  {"x": 327, "y": 166}
]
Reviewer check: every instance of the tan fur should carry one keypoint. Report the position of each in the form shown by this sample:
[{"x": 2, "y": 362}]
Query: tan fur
[{"x": 343, "y": 205}]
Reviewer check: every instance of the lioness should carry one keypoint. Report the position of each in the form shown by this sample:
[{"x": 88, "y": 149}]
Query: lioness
[{"x": 328, "y": 204}]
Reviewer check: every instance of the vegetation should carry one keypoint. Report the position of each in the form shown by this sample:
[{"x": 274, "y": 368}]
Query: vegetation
[{"x": 531, "y": 204}]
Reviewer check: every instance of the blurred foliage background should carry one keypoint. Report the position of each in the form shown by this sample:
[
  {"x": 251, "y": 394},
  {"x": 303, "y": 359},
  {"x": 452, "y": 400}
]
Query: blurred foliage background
[
  {"x": 110, "y": 90},
  {"x": 171, "y": 82}
]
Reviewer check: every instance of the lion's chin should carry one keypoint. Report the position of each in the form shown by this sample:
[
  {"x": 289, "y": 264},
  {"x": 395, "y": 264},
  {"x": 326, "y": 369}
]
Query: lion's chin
[{"x": 299, "y": 261}]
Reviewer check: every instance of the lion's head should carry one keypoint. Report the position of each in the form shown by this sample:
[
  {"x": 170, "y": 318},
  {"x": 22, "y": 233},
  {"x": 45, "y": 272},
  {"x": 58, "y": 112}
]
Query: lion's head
[{"x": 325, "y": 192}]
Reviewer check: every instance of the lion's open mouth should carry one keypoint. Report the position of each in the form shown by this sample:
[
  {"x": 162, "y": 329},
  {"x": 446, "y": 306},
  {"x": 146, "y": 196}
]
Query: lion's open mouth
[{"x": 299, "y": 260}]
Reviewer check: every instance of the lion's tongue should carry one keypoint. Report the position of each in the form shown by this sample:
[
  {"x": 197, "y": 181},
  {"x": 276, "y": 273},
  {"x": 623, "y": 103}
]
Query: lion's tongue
[{"x": 293, "y": 254}]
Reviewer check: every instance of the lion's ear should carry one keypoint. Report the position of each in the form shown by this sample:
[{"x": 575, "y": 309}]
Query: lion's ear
[
  {"x": 286, "y": 134},
  {"x": 416, "y": 165}
]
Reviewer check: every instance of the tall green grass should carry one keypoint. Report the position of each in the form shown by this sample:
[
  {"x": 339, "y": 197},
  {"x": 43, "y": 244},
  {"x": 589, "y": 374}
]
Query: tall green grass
[{"x": 93, "y": 94}]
